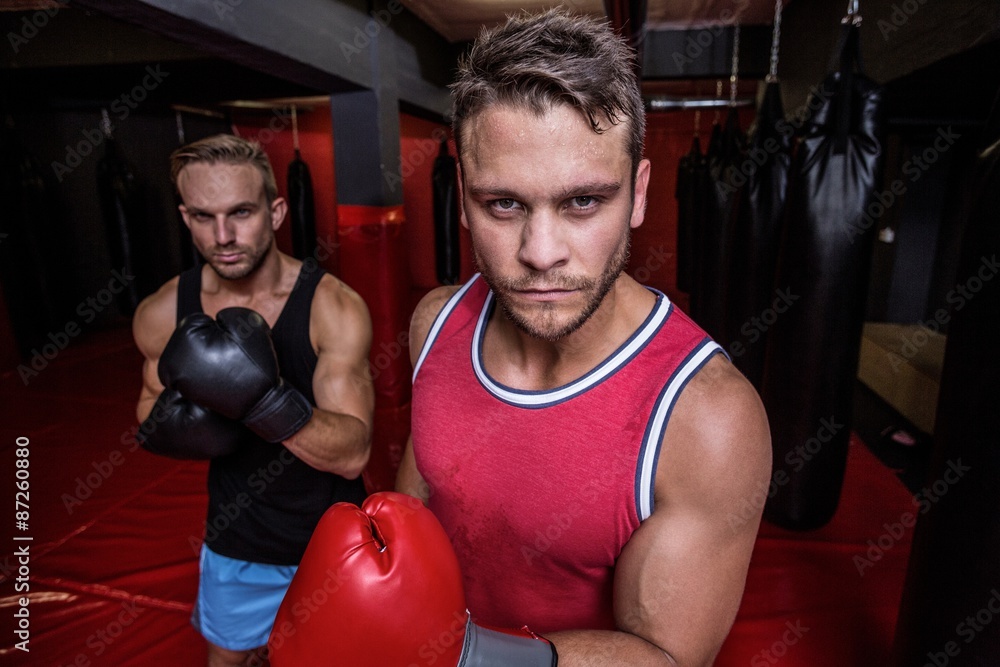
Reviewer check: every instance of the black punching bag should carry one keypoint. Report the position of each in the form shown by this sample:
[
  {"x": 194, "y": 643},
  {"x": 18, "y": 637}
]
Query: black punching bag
[
  {"x": 823, "y": 266},
  {"x": 714, "y": 238},
  {"x": 756, "y": 234},
  {"x": 950, "y": 611},
  {"x": 302, "y": 208},
  {"x": 123, "y": 210},
  {"x": 689, "y": 205},
  {"x": 446, "y": 244},
  {"x": 30, "y": 236},
  {"x": 701, "y": 185}
]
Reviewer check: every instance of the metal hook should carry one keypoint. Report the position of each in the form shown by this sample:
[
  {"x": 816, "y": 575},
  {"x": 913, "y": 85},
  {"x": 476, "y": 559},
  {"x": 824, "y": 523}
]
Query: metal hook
[{"x": 853, "y": 12}]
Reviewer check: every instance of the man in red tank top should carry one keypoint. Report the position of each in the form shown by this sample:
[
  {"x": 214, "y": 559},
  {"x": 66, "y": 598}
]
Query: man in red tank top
[{"x": 583, "y": 443}]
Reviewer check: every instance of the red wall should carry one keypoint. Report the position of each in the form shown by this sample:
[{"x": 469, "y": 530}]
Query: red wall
[
  {"x": 668, "y": 137},
  {"x": 273, "y": 129},
  {"x": 419, "y": 145}
]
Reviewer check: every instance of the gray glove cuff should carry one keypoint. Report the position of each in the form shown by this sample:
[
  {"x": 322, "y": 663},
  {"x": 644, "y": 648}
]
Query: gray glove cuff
[
  {"x": 280, "y": 414},
  {"x": 489, "y": 648}
]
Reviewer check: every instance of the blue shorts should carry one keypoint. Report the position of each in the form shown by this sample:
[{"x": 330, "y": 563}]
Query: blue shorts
[{"x": 237, "y": 600}]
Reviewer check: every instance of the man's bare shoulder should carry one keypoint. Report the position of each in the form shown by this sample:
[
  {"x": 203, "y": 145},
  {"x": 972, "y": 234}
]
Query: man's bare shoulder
[
  {"x": 338, "y": 313},
  {"x": 425, "y": 313},
  {"x": 718, "y": 431},
  {"x": 155, "y": 319}
]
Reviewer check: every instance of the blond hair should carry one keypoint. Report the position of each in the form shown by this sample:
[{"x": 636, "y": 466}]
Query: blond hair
[{"x": 228, "y": 149}]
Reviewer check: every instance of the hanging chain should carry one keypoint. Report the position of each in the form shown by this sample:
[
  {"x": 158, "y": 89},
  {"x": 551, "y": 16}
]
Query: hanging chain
[
  {"x": 853, "y": 13},
  {"x": 772, "y": 74},
  {"x": 180, "y": 127},
  {"x": 736, "y": 65}
]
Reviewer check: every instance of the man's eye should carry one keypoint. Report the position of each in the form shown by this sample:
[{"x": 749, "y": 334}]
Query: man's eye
[
  {"x": 584, "y": 201},
  {"x": 241, "y": 212},
  {"x": 505, "y": 204}
]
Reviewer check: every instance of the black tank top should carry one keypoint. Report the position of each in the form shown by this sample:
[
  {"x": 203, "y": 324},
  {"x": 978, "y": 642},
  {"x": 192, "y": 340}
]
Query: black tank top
[{"x": 263, "y": 502}]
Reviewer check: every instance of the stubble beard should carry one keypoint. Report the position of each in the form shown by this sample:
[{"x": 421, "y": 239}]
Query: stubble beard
[
  {"x": 240, "y": 271},
  {"x": 542, "y": 322}
]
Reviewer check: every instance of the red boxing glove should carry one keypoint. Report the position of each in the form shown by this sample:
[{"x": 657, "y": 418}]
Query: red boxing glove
[{"x": 380, "y": 586}]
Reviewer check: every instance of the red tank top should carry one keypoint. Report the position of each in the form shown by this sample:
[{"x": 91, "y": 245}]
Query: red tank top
[{"x": 540, "y": 490}]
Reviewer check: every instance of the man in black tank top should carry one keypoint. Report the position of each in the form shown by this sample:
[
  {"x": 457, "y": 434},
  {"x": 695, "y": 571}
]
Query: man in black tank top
[{"x": 259, "y": 363}]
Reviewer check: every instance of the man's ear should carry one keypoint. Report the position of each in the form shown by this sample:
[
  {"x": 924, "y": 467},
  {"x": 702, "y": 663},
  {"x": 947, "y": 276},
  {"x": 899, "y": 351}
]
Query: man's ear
[
  {"x": 279, "y": 209},
  {"x": 639, "y": 194},
  {"x": 185, "y": 216},
  {"x": 461, "y": 192}
]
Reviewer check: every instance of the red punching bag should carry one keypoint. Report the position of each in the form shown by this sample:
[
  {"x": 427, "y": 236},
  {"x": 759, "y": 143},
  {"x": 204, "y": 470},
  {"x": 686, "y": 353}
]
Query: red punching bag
[{"x": 373, "y": 261}]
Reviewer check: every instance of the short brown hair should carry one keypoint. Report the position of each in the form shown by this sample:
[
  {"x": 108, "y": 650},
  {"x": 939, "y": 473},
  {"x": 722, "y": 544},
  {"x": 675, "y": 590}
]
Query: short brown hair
[
  {"x": 537, "y": 61},
  {"x": 228, "y": 149}
]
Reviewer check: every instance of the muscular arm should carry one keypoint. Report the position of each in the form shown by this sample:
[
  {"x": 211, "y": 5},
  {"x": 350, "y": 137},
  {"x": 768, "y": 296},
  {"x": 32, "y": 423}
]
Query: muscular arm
[
  {"x": 152, "y": 325},
  {"x": 680, "y": 578},
  {"x": 408, "y": 478},
  {"x": 338, "y": 436}
]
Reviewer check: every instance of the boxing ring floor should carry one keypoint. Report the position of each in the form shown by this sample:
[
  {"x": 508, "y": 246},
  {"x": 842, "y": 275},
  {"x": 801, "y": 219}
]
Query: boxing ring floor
[{"x": 114, "y": 532}]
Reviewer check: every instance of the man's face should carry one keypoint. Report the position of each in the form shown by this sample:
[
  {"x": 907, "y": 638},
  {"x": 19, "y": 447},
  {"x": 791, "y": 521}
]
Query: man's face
[
  {"x": 550, "y": 205},
  {"x": 226, "y": 209}
]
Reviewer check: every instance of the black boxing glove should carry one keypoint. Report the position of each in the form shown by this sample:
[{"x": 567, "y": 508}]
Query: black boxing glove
[
  {"x": 229, "y": 365},
  {"x": 180, "y": 429}
]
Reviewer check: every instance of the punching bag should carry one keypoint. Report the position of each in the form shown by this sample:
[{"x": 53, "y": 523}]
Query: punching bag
[
  {"x": 446, "y": 246},
  {"x": 701, "y": 186},
  {"x": 950, "y": 611},
  {"x": 823, "y": 266},
  {"x": 123, "y": 210},
  {"x": 714, "y": 238},
  {"x": 302, "y": 208},
  {"x": 756, "y": 233},
  {"x": 28, "y": 245},
  {"x": 688, "y": 212}
]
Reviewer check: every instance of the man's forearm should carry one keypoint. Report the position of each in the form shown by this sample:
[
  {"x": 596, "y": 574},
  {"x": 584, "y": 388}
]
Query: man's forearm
[
  {"x": 606, "y": 648},
  {"x": 333, "y": 442}
]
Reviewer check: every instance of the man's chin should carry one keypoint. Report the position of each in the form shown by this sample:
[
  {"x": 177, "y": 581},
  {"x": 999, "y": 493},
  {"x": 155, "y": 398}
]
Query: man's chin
[
  {"x": 231, "y": 271},
  {"x": 545, "y": 322}
]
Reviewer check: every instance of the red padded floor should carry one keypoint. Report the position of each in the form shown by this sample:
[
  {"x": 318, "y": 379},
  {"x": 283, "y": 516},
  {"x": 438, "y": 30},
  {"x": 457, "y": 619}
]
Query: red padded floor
[{"x": 112, "y": 569}]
